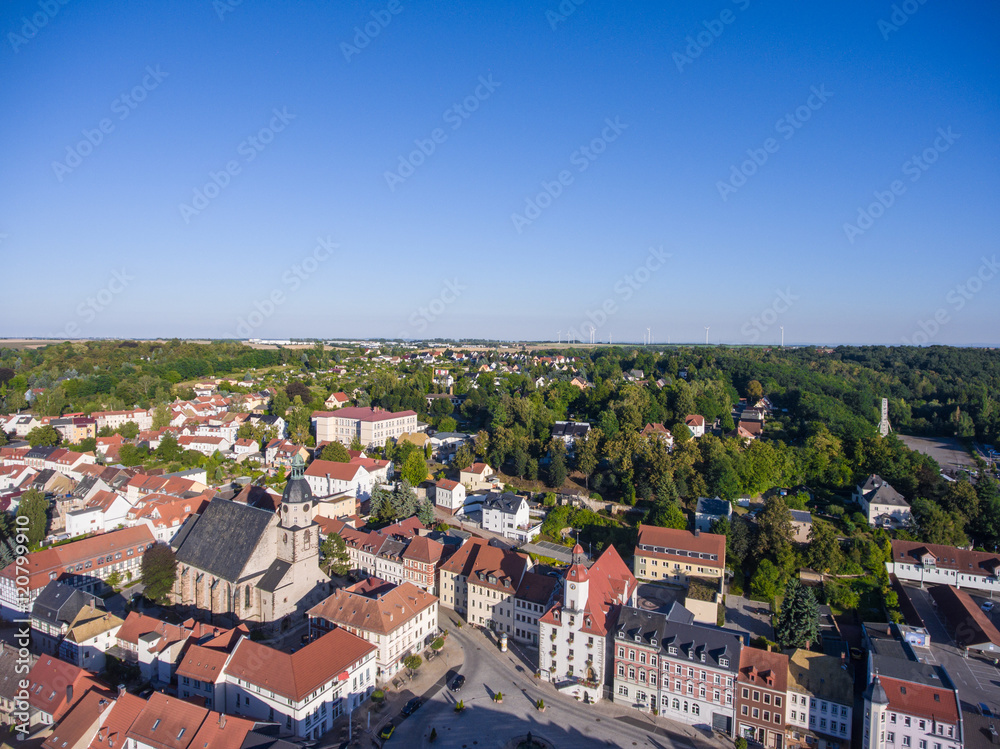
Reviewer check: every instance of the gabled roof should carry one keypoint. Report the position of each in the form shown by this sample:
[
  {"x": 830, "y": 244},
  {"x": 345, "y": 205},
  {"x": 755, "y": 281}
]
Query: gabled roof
[
  {"x": 424, "y": 550},
  {"x": 669, "y": 543},
  {"x": 334, "y": 470},
  {"x": 385, "y": 609},
  {"x": 924, "y": 700},
  {"x": 58, "y": 603},
  {"x": 946, "y": 557},
  {"x": 877, "y": 491},
  {"x": 240, "y": 525},
  {"x": 680, "y": 637},
  {"x": 766, "y": 669},
  {"x": 296, "y": 675},
  {"x": 611, "y": 586}
]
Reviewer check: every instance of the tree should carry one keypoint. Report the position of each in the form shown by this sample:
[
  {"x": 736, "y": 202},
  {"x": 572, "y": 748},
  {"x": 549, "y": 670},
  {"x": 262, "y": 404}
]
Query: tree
[
  {"x": 557, "y": 471},
  {"x": 45, "y": 436},
  {"x": 754, "y": 392},
  {"x": 681, "y": 432},
  {"x": 463, "y": 457},
  {"x": 296, "y": 388},
  {"x": 413, "y": 662},
  {"x": 335, "y": 452},
  {"x": 425, "y": 513},
  {"x": 764, "y": 586},
  {"x": 668, "y": 515},
  {"x": 336, "y": 560},
  {"x": 159, "y": 571},
  {"x": 937, "y": 525},
  {"x": 129, "y": 430},
  {"x": 356, "y": 445},
  {"x": 35, "y": 507},
  {"x": 798, "y": 623},
  {"x": 587, "y": 456},
  {"x": 824, "y": 553},
  {"x": 775, "y": 526},
  {"x": 414, "y": 469}
]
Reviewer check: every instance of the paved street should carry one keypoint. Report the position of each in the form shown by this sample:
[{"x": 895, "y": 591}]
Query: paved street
[
  {"x": 977, "y": 679},
  {"x": 565, "y": 721}
]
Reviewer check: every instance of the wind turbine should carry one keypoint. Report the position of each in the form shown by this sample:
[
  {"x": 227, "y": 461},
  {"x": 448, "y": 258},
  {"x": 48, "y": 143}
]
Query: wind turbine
[
  {"x": 706, "y": 333},
  {"x": 649, "y": 336},
  {"x": 782, "y": 336},
  {"x": 559, "y": 336}
]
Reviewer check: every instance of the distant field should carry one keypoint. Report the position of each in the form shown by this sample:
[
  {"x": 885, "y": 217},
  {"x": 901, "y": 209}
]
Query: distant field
[{"x": 947, "y": 451}]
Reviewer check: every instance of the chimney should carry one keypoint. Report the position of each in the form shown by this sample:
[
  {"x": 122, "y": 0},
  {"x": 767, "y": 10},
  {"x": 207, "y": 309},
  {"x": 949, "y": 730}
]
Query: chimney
[
  {"x": 697, "y": 532},
  {"x": 69, "y": 693},
  {"x": 121, "y": 690},
  {"x": 222, "y": 720}
]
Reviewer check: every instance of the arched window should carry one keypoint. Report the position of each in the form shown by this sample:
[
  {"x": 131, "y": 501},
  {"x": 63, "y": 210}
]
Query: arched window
[{"x": 246, "y": 597}]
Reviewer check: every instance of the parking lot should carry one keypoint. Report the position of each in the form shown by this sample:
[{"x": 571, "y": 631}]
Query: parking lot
[
  {"x": 976, "y": 677},
  {"x": 750, "y": 616}
]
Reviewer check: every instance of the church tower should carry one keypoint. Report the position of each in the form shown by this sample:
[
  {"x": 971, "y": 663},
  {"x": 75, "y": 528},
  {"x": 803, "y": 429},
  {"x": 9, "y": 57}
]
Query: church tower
[
  {"x": 577, "y": 582},
  {"x": 298, "y": 535}
]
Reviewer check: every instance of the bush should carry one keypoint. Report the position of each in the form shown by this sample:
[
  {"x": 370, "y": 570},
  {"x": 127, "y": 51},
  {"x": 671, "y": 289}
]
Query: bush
[
  {"x": 437, "y": 644},
  {"x": 540, "y": 704},
  {"x": 741, "y": 742},
  {"x": 378, "y": 695},
  {"x": 459, "y": 706}
]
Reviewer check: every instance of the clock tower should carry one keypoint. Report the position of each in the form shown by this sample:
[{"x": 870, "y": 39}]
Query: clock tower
[
  {"x": 577, "y": 582},
  {"x": 298, "y": 535}
]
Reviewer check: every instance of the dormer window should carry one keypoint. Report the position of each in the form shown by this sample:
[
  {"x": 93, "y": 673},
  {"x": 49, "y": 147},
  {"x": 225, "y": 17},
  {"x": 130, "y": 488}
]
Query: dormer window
[
  {"x": 638, "y": 638},
  {"x": 724, "y": 662}
]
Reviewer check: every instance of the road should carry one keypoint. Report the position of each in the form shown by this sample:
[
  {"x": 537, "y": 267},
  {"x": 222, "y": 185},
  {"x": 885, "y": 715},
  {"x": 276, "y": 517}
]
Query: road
[
  {"x": 565, "y": 722},
  {"x": 976, "y": 678}
]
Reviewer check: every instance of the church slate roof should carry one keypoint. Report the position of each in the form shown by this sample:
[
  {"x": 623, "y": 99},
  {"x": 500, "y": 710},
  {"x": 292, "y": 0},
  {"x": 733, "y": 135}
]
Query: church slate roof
[
  {"x": 223, "y": 538},
  {"x": 274, "y": 575}
]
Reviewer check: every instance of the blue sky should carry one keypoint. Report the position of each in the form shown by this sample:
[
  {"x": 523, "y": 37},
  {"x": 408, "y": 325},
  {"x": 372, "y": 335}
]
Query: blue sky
[{"x": 331, "y": 222}]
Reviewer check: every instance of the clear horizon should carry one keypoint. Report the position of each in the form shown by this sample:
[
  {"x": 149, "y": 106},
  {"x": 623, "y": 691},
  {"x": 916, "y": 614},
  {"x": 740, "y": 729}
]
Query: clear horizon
[{"x": 507, "y": 172}]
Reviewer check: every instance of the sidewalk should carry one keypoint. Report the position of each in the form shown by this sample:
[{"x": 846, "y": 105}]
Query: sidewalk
[{"x": 368, "y": 718}]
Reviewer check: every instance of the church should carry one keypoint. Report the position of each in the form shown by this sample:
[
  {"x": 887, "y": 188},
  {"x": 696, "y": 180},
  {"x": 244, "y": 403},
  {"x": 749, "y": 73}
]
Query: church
[{"x": 238, "y": 563}]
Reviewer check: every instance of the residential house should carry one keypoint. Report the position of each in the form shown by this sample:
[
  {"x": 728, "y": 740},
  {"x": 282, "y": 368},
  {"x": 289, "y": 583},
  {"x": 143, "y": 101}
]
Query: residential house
[
  {"x": 400, "y": 620},
  {"x": 54, "y": 610},
  {"x": 508, "y": 515},
  {"x": 820, "y": 701},
  {"x": 328, "y": 478},
  {"x": 696, "y": 423},
  {"x": 90, "y": 635},
  {"x": 54, "y": 686},
  {"x": 660, "y": 432},
  {"x": 801, "y": 526},
  {"x": 575, "y": 633},
  {"x": 708, "y": 510},
  {"x": 476, "y": 477},
  {"x": 166, "y": 722},
  {"x": 882, "y": 505},
  {"x": 674, "y": 555},
  {"x": 421, "y": 560},
  {"x": 762, "y": 697},
  {"x": 449, "y": 494},
  {"x": 569, "y": 432},
  {"x": 336, "y": 400}
]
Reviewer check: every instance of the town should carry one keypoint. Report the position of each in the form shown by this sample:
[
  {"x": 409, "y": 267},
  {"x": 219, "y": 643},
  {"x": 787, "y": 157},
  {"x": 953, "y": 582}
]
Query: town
[{"x": 344, "y": 544}]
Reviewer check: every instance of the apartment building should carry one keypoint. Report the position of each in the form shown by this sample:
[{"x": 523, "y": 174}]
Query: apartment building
[
  {"x": 820, "y": 701},
  {"x": 673, "y": 555},
  {"x": 670, "y": 663},
  {"x": 944, "y": 565},
  {"x": 762, "y": 697},
  {"x": 399, "y": 620}
]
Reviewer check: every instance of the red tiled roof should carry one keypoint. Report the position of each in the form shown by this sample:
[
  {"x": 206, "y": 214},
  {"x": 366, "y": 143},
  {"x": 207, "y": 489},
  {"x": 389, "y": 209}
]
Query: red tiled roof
[
  {"x": 389, "y": 609},
  {"x": 766, "y": 669},
  {"x": 448, "y": 484},
  {"x": 300, "y": 673},
  {"x": 424, "y": 550},
  {"x": 611, "y": 585},
  {"x": 924, "y": 700},
  {"x": 946, "y": 557},
  {"x": 333, "y": 469},
  {"x": 117, "y": 722},
  {"x": 204, "y": 664},
  {"x": 681, "y": 540},
  {"x": 363, "y": 414},
  {"x": 694, "y": 420}
]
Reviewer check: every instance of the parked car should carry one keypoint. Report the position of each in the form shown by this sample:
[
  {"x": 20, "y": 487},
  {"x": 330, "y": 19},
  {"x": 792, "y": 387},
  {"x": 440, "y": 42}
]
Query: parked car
[
  {"x": 411, "y": 707},
  {"x": 387, "y": 730},
  {"x": 987, "y": 606},
  {"x": 985, "y": 710},
  {"x": 457, "y": 683}
]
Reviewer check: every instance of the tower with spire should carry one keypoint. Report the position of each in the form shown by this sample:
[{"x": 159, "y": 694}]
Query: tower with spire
[
  {"x": 298, "y": 535},
  {"x": 876, "y": 702},
  {"x": 577, "y": 582}
]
